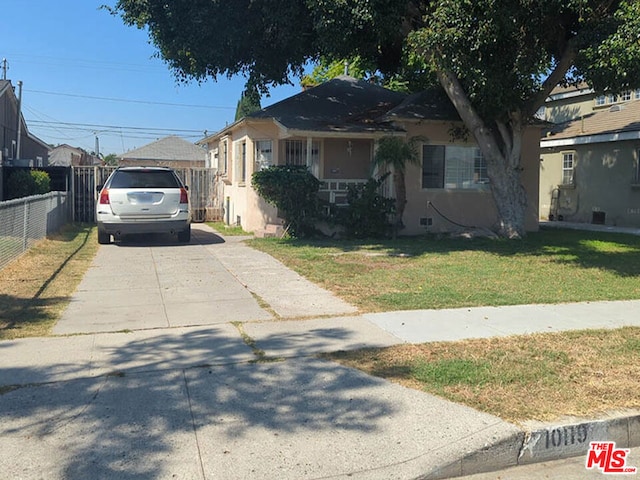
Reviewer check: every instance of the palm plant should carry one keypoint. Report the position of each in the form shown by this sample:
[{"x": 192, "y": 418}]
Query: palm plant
[{"x": 396, "y": 153}]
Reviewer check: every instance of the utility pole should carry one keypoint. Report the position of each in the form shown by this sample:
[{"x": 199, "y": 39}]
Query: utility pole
[
  {"x": 19, "y": 119},
  {"x": 97, "y": 145},
  {"x": 5, "y": 67}
]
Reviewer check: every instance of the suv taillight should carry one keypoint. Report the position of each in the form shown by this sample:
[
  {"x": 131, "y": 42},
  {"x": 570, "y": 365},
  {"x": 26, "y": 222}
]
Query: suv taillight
[
  {"x": 104, "y": 197},
  {"x": 184, "y": 196}
]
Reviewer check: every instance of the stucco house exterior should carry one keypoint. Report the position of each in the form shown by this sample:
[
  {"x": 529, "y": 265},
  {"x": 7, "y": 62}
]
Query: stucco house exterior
[
  {"x": 67, "y": 156},
  {"x": 334, "y": 129},
  {"x": 590, "y": 168}
]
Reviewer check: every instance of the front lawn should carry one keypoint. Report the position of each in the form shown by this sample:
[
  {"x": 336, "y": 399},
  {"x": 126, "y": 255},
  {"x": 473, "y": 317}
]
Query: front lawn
[{"x": 550, "y": 266}]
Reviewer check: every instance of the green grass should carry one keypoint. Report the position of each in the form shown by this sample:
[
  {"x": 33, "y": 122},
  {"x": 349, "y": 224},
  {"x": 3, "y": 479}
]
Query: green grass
[
  {"x": 553, "y": 266},
  {"x": 519, "y": 378},
  {"x": 227, "y": 230}
]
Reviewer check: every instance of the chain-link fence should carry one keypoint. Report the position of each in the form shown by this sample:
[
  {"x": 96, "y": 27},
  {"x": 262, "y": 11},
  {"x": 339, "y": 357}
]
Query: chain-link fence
[{"x": 23, "y": 221}]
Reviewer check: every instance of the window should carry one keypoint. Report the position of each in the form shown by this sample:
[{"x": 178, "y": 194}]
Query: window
[
  {"x": 612, "y": 98},
  {"x": 637, "y": 94},
  {"x": 243, "y": 162},
  {"x": 225, "y": 158},
  {"x": 264, "y": 154},
  {"x": 625, "y": 96},
  {"x": 601, "y": 100},
  {"x": 295, "y": 152},
  {"x": 568, "y": 164},
  {"x": 453, "y": 167},
  {"x": 240, "y": 162}
]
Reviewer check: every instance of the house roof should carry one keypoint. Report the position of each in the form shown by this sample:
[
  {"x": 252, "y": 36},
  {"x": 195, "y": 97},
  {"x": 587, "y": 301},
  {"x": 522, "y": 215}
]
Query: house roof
[
  {"x": 342, "y": 104},
  {"x": 431, "y": 104},
  {"x": 613, "y": 120},
  {"x": 170, "y": 148},
  {"x": 3, "y": 85}
]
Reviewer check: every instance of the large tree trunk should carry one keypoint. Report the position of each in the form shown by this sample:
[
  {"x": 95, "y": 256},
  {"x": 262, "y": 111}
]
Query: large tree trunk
[{"x": 501, "y": 148}]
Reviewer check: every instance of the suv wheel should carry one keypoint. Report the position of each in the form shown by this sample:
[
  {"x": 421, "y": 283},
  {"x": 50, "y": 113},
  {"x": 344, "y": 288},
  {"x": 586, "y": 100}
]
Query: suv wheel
[
  {"x": 185, "y": 235},
  {"x": 103, "y": 238}
]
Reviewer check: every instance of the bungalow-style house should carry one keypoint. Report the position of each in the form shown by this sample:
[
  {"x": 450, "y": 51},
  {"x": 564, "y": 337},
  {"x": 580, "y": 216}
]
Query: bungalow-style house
[
  {"x": 171, "y": 151},
  {"x": 67, "y": 156},
  {"x": 334, "y": 129},
  {"x": 590, "y": 158},
  {"x": 29, "y": 150}
]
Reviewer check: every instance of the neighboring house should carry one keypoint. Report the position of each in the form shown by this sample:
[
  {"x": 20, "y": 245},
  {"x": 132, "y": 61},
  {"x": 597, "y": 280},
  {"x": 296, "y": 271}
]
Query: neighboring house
[
  {"x": 334, "y": 128},
  {"x": 170, "y": 151},
  {"x": 590, "y": 168},
  {"x": 66, "y": 156},
  {"x": 32, "y": 151}
]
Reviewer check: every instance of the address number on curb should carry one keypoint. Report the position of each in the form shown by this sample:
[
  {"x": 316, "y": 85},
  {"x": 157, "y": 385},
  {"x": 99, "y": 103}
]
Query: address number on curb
[{"x": 565, "y": 436}]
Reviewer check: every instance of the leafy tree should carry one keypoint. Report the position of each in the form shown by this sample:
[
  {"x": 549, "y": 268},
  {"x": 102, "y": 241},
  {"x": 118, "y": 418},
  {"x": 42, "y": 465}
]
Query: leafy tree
[
  {"x": 249, "y": 102},
  {"x": 293, "y": 189},
  {"x": 111, "y": 159},
  {"x": 396, "y": 153},
  {"x": 497, "y": 60}
]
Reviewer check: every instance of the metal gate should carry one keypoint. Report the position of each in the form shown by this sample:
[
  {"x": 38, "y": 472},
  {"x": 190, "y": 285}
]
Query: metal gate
[{"x": 201, "y": 182}]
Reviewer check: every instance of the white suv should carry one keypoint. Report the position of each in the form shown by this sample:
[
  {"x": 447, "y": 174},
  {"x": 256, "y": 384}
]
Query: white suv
[{"x": 143, "y": 200}]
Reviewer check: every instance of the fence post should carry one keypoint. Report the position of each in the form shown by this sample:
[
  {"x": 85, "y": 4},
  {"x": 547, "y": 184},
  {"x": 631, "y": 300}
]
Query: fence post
[{"x": 25, "y": 223}]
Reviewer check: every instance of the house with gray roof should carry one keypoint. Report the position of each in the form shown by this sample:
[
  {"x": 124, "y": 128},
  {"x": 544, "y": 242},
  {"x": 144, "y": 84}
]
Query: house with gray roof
[
  {"x": 171, "y": 151},
  {"x": 334, "y": 129},
  {"x": 590, "y": 158}
]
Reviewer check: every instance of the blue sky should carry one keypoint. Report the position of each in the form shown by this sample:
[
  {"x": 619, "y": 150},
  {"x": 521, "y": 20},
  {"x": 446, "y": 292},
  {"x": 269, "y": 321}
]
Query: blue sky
[{"x": 86, "y": 74}]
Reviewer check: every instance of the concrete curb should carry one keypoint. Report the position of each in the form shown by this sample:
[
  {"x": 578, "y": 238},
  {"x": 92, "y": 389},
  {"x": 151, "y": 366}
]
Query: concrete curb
[{"x": 544, "y": 443}]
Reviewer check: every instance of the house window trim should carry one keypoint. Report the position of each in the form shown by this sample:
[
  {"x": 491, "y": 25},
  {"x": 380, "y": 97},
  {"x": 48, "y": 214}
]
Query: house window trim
[
  {"x": 481, "y": 185},
  {"x": 224, "y": 143},
  {"x": 256, "y": 143},
  {"x": 572, "y": 182}
]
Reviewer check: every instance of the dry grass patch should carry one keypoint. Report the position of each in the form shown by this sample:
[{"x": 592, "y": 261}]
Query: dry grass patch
[
  {"x": 519, "y": 378},
  {"x": 35, "y": 288}
]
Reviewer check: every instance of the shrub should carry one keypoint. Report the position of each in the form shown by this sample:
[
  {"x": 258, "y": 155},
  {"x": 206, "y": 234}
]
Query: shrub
[
  {"x": 41, "y": 182},
  {"x": 23, "y": 183},
  {"x": 293, "y": 190},
  {"x": 368, "y": 212}
]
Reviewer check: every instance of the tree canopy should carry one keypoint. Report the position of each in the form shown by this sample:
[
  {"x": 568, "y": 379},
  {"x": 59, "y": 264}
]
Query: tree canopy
[{"x": 497, "y": 60}]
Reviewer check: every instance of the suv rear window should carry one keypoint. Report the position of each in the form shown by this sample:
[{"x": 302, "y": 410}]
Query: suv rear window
[{"x": 144, "y": 179}]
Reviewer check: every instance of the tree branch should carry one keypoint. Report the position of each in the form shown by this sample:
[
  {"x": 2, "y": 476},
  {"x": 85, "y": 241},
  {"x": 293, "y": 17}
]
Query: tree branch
[{"x": 565, "y": 62}]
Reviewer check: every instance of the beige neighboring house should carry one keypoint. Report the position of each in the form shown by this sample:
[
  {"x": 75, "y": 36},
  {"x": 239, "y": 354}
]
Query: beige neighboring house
[
  {"x": 590, "y": 168},
  {"x": 334, "y": 129},
  {"x": 66, "y": 156},
  {"x": 171, "y": 151}
]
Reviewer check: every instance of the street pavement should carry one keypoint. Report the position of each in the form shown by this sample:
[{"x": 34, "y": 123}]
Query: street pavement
[{"x": 199, "y": 361}]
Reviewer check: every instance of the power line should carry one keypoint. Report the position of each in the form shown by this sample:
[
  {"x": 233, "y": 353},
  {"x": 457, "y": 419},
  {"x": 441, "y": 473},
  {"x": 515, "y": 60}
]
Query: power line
[
  {"x": 126, "y": 100},
  {"x": 93, "y": 126}
]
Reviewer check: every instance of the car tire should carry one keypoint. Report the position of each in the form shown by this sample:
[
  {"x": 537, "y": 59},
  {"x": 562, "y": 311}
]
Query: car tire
[
  {"x": 103, "y": 237},
  {"x": 185, "y": 235}
]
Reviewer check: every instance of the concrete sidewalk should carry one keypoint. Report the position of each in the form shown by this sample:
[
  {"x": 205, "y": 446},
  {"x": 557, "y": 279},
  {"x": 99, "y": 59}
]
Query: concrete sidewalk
[{"x": 154, "y": 374}]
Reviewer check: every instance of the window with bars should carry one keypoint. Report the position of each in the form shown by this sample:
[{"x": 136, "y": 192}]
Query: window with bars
[
  {"x": 453, "y": 167},
  {"x": 295, "y": 152}
]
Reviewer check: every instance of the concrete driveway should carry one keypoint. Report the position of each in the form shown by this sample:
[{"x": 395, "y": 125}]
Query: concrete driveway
[{"x": 191, "y": 362}]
